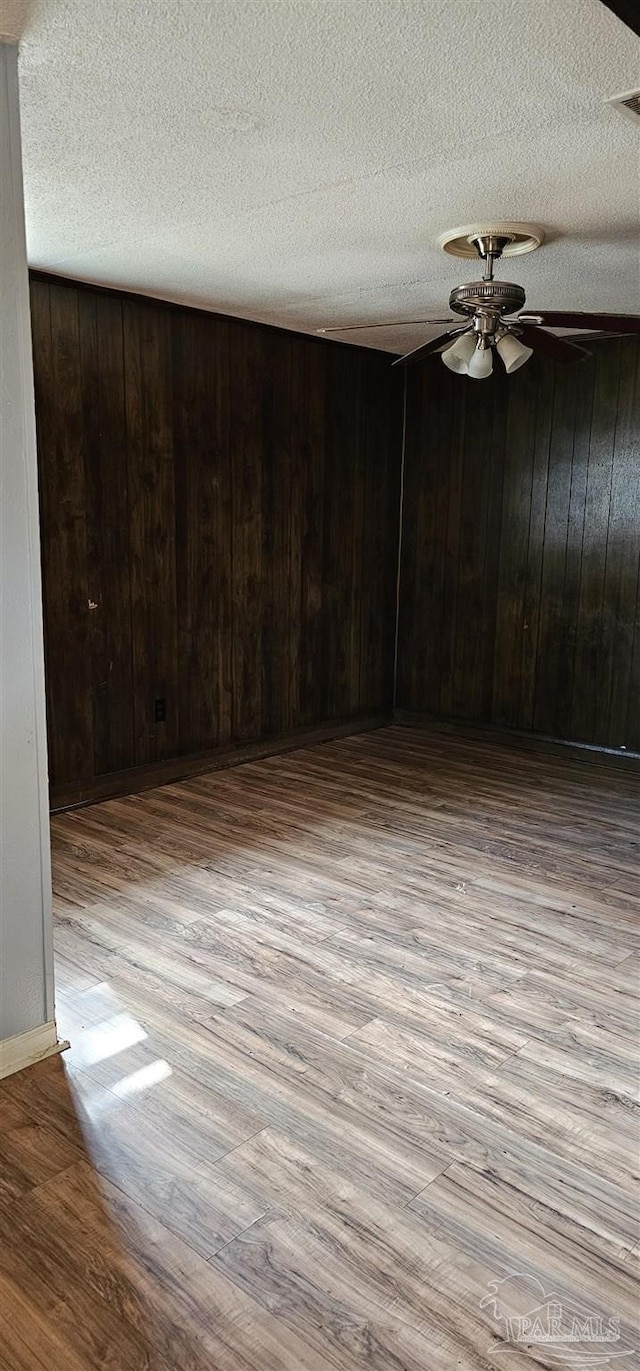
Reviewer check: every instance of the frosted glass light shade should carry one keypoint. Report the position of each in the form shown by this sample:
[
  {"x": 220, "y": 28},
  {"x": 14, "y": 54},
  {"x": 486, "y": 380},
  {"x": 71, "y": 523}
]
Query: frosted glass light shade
[
  {"x": 458, "y": 356},
  {"x": 481, "y": 364},
  {"x": 513, "y": 353}
]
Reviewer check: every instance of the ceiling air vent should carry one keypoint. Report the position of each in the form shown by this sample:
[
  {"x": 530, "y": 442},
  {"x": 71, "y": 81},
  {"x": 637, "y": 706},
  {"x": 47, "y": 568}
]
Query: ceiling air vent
[{"x": 628, "y": 104}]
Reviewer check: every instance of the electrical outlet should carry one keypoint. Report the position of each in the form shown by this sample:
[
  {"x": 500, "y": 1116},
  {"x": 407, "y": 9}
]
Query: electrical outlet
[{"x": 160, "y": 710}]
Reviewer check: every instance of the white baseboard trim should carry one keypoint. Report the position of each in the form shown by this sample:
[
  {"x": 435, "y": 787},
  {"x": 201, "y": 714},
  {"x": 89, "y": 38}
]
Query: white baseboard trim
[{"x": 26, "y": 1048}]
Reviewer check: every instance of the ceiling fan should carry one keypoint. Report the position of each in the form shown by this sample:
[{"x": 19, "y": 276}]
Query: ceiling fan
[{"x": 493, "y": 310}]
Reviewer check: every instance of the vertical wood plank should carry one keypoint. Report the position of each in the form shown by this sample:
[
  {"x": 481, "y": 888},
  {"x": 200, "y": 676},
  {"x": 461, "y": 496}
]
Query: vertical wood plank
[
  {"x": 203, "y": 529},
  {"x": 275, "y": 664},
  {"x": 381, "y": 427},
  {"x": 531, "y": 607},
  {"x": 354, "y": 608},
  {"x": 552, "y": 618},
  {"x": 246, "y": 363},
  {"x": 308, "y": 476},
  {"x": 516, "y": 509},
  {"x": 622, "y": 558},
  {"x": 61, "y": 456},
  {"x": 148, "y": 382},
  {"x": 468, "y": 673},
  {"x": 492, "y": 557},
  {"x": 585, "y": 702},
  {"x": 451, "y": 560},
  {"x": 563, "y": 725},
  {"x": 429, "y": 418},
  {"x": 107, "y": 524},
  {"x": 341, "y": 506},
  {"x": 409, "y": 608}
]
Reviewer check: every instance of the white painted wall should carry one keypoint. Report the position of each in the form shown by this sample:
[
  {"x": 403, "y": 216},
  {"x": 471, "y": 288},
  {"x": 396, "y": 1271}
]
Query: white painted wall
[{"x": 26, "y": 952}]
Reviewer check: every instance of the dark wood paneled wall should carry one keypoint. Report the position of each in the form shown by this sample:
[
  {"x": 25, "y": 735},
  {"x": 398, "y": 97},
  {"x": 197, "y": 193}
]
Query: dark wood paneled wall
[
  {"x": 219, "y": 509},
  {"x": 519, "y": 599},
  {"x": 219, "y": 505}
]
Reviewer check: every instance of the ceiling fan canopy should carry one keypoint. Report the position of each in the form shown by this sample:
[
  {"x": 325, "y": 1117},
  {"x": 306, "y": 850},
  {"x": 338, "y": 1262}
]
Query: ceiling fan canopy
[{"x": 495, "y": 321}]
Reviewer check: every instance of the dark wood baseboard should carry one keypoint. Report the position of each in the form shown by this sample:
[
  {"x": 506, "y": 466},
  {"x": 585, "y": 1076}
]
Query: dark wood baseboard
[
  {"x": 75, "y": 794},
  {"x": 136, "y": 779},
  {"x": 525, "y": 742}
]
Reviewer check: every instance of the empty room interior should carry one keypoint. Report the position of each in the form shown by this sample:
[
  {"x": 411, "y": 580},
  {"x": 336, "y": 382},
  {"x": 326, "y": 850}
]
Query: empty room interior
[{"x": 319, "y": 685}]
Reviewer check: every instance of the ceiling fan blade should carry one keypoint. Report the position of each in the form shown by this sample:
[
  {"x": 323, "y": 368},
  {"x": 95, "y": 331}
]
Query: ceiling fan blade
[
  {"x": 434, "y": 345},
  {"x": 392, "y": 323},
  {"x": 560, "y": 349},
  {"x": 608, "y": 323}
]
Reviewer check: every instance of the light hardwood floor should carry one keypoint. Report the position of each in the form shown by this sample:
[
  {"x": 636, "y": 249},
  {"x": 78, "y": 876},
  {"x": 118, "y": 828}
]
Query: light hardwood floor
[{"x": 354, "y": 1036}]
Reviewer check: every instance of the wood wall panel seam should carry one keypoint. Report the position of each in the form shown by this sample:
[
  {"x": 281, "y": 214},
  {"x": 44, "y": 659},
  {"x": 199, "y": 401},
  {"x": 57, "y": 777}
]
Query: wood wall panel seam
[{"x": 618, "y": 614}]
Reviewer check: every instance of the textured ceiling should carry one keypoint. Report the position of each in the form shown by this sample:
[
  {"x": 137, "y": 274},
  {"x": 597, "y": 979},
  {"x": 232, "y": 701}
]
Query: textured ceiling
[{"x": 295, "y": 160}]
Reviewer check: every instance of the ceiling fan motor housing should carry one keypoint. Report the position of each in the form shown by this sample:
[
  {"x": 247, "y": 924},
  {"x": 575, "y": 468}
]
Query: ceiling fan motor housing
[{"x": 504, "y": 297}]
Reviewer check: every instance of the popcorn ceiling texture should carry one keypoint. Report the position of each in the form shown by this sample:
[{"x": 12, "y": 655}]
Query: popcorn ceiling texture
[{"x": 294, "y": 160}]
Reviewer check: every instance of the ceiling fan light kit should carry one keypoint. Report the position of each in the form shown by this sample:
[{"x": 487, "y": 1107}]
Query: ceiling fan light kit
[
  {"x": 487, "y": 301},
  {"x": 471, "y": 356},
  {"x": 494, "y": 310}
]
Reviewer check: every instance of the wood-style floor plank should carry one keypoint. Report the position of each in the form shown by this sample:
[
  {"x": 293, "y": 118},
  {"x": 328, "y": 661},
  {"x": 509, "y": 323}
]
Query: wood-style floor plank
[{"x": 354, "y": 1036}]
